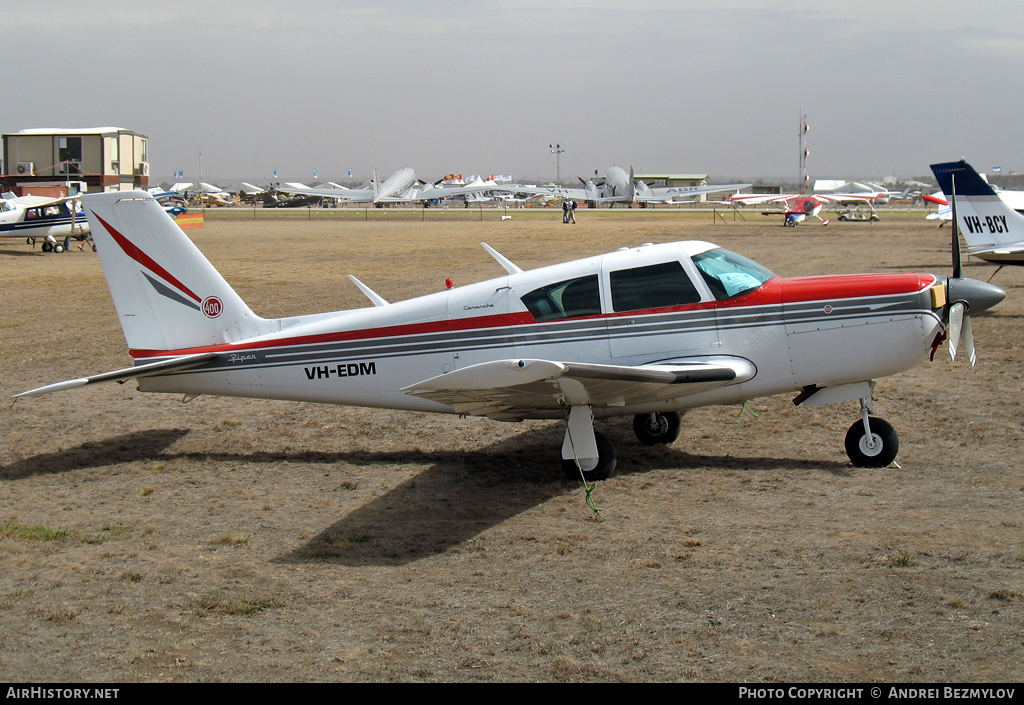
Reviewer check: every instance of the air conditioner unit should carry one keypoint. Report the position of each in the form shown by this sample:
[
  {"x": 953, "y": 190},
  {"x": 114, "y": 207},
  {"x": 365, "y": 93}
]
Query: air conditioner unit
[
  {"x": 27, "y": 168},
  {"x": 143, "y": 169}
]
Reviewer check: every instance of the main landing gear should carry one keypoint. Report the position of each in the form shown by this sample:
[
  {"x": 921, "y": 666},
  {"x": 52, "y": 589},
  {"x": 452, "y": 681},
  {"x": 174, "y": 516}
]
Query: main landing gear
[{"x": 587, "y": 453}]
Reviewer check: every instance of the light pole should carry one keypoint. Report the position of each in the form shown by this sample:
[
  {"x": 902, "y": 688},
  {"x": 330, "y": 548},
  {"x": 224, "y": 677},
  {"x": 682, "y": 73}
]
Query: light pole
[{"x": 557, "y": 150}]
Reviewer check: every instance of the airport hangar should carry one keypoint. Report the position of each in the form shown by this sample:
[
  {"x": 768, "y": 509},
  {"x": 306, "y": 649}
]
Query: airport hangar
[{"x": 63, "y": 162}]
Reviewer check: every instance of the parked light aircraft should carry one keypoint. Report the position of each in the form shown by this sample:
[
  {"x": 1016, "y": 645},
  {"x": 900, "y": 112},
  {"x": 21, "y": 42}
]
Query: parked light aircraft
[
  {"x": 207, "y": 193},
  {"x": 647, "y": 331},
  {"x": 799, "y": 207},
  {"x": 621, "y": 187},
  {"x": 400, "y": 187},
  {"x": 33, "y": 217},
  {"x": 994, "y": 231}
]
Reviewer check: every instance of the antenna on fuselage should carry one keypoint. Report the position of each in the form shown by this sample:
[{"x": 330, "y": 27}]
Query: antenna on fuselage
[
  {"x": 501, "y": 259},
  {"x": 372, "y": 295}
]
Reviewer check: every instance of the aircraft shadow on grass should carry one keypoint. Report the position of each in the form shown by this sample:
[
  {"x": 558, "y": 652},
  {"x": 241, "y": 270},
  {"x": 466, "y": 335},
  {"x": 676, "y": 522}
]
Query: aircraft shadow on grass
[
  {"x": 127, "y": 448},
  {"x": 464, "y": 493},
  {"x": 19, "y": 253},
  {"x": 459, "y": 495}
]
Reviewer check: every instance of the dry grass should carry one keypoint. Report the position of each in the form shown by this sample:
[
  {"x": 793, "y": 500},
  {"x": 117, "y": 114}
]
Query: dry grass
[{"x": 245, "y": 540}]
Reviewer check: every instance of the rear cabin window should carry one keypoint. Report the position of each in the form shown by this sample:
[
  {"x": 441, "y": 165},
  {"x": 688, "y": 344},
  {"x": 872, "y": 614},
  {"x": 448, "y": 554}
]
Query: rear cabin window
[
  {"x": 567, "y": 299},
  {"x": 656, "y": 286}
]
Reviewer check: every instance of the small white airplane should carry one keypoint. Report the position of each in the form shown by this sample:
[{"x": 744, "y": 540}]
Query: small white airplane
[
  {"x": 647, "y": 331},
  {"x": 993, "y": 229},
  {"x": 209, "y": 194},
  {"x": 619, "y": 186},
  {"x": 42, "y": 217},
  {"x": 798, "y": 207}
]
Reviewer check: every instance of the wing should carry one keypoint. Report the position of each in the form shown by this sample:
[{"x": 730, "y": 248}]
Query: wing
[
  {"x": 516, "y": 389},
  {"x": 342, "y": 194},
  {"x": 758, "y": 199},
  {"x": 183, "y": 362},
  {"x": 684, "y": 193},
  {"x": 847, "y": 197},
  {"x": 579, "y": 194},
  {"x": 447, "y": 191}
]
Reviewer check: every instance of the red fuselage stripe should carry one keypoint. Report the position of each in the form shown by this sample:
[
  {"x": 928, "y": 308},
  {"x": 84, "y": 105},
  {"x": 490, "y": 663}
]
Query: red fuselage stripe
[
  {"x": 776, "y": 291},
  {"x": 145, "y": 260}
]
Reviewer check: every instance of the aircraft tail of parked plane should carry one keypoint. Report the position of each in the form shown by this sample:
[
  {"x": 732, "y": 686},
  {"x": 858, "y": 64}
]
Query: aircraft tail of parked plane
[
  {"x": 167, "y": 294},
  {"x": 993, "y": 230}
]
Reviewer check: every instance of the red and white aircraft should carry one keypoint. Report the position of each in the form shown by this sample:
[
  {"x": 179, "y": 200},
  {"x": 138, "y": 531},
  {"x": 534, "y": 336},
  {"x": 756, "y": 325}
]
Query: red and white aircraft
[
  {"x": 648, "y": 332},
  {"x": 799, "y": 207}
]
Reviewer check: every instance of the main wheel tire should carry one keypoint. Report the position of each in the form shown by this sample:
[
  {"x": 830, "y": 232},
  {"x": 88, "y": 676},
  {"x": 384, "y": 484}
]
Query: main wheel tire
[
  {"x": 659, "y": 427},
  {"x": 605, "y": 462},
  {"x": 874, "y": 451}
]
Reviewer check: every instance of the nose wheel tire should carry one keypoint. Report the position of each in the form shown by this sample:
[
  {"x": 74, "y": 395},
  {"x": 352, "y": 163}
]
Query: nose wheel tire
[{"x": 874, "y": 450}]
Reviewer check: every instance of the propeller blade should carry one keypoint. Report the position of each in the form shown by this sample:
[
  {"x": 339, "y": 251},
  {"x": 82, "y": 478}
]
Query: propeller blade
[
  {"x": 955, "y": 328},
  {"x": 968, "y": 337},
  {"x": 957, "y": 261}
]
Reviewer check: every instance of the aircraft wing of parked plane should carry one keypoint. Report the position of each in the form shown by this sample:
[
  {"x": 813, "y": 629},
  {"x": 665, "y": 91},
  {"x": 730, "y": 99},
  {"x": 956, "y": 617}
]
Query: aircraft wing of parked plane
[
  {"x": 648, "y": 332},
  {"x": 390, "y": 191},
  {"x": 994, "y": 231},
  {"x": 400, "y": 187},
  {"x": 618, "y": 186}
]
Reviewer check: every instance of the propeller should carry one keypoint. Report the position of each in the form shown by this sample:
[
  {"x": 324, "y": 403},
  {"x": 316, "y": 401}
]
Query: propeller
[{"x": 964, "y": 296}]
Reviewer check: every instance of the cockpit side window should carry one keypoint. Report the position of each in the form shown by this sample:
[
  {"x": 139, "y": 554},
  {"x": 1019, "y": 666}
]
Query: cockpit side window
[
  {"x": 655, "y": 286},
  {"x": 566, "y": 299},
  {"x": 729, "y": 275}
]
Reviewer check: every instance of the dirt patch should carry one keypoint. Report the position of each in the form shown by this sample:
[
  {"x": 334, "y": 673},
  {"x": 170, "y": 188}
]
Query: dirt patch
[{"x": 246, "y": 540}]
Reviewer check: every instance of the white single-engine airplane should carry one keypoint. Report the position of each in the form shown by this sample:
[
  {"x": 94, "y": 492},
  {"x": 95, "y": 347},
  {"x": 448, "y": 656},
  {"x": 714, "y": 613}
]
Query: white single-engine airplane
[
  {"x": 991, "y": 225},
  {"x": 33, "y": 217},
  {"x": 648, "y": 332}
]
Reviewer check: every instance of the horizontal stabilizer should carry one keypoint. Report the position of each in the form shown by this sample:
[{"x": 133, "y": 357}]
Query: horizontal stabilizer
[{"x": 184, "y": 362}]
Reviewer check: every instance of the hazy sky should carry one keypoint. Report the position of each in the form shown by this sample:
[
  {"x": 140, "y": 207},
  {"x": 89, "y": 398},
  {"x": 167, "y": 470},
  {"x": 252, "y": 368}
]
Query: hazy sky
[{"x": 485, "y": 86}]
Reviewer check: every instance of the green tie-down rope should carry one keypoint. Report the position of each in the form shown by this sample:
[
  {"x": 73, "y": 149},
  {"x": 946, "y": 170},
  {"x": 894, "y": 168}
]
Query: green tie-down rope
[
  {"x": 586, "y": 486},
  {"x": 745, "y": 406}
]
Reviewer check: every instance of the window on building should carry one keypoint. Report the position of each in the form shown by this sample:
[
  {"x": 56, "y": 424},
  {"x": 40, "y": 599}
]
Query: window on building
[
  {"x": 655, "y": 286},
  {"x": 69, "y": 154},
  {"x": 566, "y": 299}
]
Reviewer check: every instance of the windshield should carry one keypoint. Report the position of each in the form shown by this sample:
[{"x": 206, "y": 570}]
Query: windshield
[{"x": 729, "y": 274}]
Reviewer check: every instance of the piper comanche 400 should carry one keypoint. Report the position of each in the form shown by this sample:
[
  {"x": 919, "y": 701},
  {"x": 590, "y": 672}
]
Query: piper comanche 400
[{"x": 647, "y": 332}]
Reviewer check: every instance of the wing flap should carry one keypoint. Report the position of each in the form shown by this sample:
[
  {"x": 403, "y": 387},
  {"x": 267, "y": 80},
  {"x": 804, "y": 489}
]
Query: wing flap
[{"x": 183, "y": 362}]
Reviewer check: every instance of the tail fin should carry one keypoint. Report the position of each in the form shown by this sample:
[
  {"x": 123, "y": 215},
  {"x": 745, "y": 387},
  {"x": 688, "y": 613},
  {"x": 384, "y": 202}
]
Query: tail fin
[
  {"x": 167, "y": 294},
  {"x": 986, "y": 221}
]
